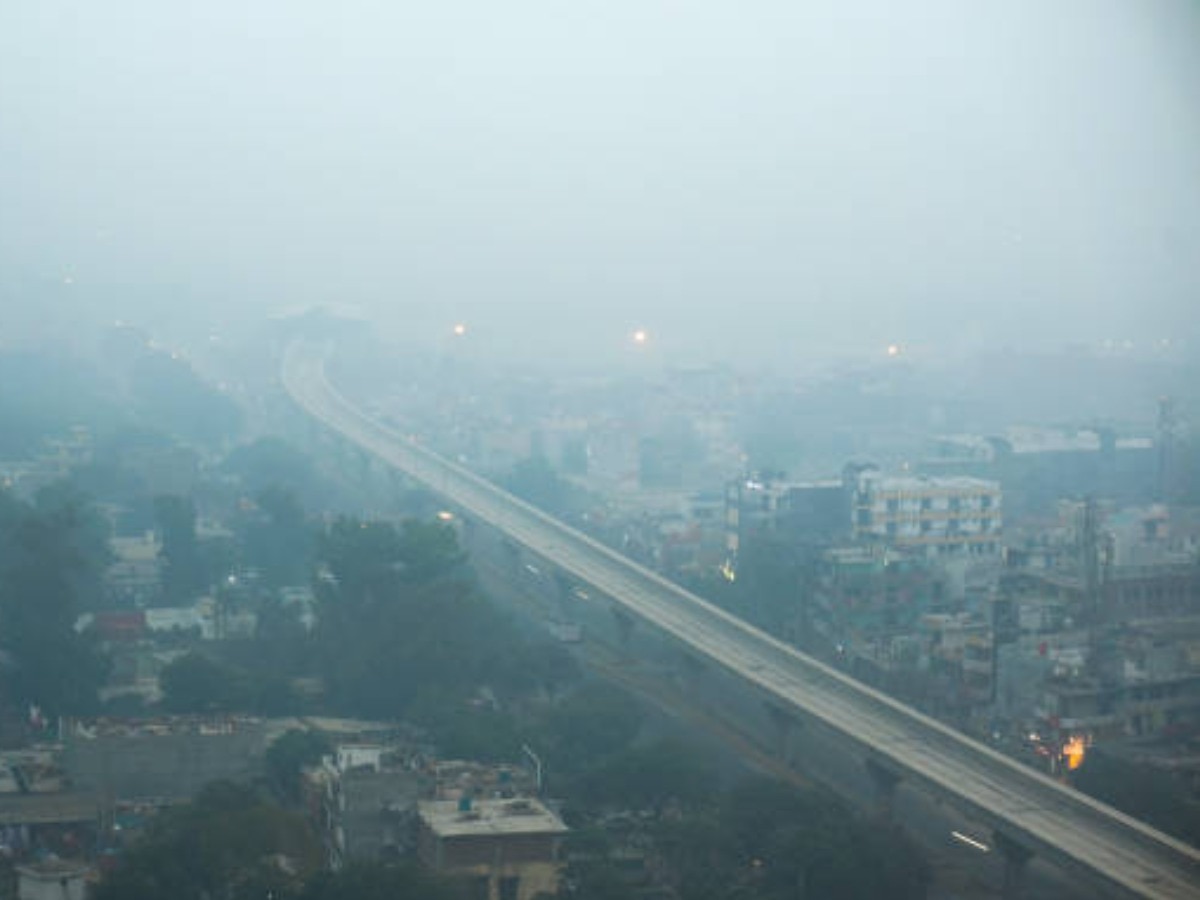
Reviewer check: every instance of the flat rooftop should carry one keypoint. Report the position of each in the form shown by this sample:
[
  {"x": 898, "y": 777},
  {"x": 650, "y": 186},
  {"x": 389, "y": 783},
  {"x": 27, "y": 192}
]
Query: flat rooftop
[
  {"x": 922, "y": 483},
  {"x": 59, "y": 808},
  {"x": 523, "y": 815}
]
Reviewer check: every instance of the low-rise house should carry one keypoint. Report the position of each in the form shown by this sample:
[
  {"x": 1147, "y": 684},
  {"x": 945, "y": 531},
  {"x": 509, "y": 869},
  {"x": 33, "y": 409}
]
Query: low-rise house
[{"x": 53, "y": 879}]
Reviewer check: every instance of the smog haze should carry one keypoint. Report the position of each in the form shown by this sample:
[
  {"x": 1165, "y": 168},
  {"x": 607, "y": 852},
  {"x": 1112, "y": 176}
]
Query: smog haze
[{"x": 772, "y": 180}]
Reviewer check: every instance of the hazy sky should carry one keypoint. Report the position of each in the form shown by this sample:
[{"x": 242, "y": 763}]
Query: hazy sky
[{"x": 787, "y": 176}]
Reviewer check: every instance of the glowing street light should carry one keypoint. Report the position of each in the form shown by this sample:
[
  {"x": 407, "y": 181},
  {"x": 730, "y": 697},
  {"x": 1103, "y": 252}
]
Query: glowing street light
[
  {"x": 893, "y": 350},
  {"x": 640, "y": 336},
  {"x": 459, "y": 329}
]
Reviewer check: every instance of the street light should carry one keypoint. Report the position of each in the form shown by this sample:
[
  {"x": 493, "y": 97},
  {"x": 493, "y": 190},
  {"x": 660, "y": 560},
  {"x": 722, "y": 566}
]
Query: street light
[{"x": 537, "y": 766}]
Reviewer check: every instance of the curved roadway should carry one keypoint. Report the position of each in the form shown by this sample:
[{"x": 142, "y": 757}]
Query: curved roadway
[{"x": 1119, "y": 852}]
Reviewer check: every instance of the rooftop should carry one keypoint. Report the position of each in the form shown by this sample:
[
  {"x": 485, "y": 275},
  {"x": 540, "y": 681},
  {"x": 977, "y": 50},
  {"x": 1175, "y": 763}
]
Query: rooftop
[
  {"x": 922, "y": 483},
  {"x": 524, "y": 815}
]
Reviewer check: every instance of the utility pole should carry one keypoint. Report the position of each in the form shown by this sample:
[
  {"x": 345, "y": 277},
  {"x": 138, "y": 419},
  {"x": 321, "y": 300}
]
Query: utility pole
[
  {"x": 537, "y": 766},
  {"x": 1090, "y": 560},
  {"x": 1165, "y": 439}
]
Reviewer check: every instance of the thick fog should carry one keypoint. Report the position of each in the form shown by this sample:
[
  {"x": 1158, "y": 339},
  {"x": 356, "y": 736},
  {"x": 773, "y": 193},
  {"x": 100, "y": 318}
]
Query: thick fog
[{"x": 779, "y": 178}]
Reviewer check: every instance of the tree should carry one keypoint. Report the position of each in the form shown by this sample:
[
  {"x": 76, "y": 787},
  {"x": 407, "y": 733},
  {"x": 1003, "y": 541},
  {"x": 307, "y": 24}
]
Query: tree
[
  {"x": 649, "y": 777},
  {"x": 428, "y": 550},
  {"x": 441, "y": 633},
  {"x": 1158, "y": 797},
  {"x": 370, "y": 561},
  {"x": 183, "y": 574},
  {"x": 364, "y": 559},
  {"x": 168, "y": 392},
  {"x": 228, "y": 842},
  {"x": 588, "y": 726},
  {"x": 279, "y": 541},
  {"x": 89, "y": 535},
  {"x": 47, "y": 568},
  {"x": 463, "y": 729},
  {"x": 272, "y": 462},
  {"x": 372, "y": 881},
  {"x": 289, "y": 754},
  {"x": 194, "y": 683},
  {"x": 766, "y": 840},
  {"x": 43, "y": 394}
]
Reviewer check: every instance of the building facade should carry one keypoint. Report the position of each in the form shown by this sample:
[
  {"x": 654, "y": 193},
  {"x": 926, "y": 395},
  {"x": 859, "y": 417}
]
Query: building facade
[
  {"x": 942, "y": 516},
  {"x": 504, "y": 849}
]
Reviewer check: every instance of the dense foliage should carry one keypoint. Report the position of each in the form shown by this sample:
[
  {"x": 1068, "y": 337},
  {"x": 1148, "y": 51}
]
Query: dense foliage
[
  {"x": 1153, "y": 795},
  {"x": 229, "y": 842},
  {"x": 52, "y": 556}
]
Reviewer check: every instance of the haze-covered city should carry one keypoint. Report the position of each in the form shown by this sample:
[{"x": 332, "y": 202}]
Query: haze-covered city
[{"x": 670, "y": 451}]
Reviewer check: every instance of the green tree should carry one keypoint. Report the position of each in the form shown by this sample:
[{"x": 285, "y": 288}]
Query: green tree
[
  {"x": 766, "y": 840},
  {"x": 372, "y": 881},
  {"x": 653, "y": 776},
  {"x": 90, "y": 535},
  {"x": 195, "y": 683},
  {"x": 289, "y": 754},
  {"x": 270, "y": 462},
  {"x": 465, "y": 729},
  {"x": 428, "y": 550},
  {"x": 588, "y": 726},
  {"x": 228, "y": 842},
  {"x": 279, "y": 541},
  {"x": 371, "y": 561},
  {"x": 1158, "y": 797},
  {"x": 42, "y": 395},
  {"x": 183, "y": 575},
  {"x": 47, "y": 568},
  {"x": 441, "y": 633},
  {"x": 364, "y": 559},
  {"x": 168, "y": 392}
]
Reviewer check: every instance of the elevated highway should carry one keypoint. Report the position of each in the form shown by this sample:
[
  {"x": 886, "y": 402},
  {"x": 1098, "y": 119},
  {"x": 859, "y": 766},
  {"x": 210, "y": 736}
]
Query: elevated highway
[{"x": 1030, "y": 812}]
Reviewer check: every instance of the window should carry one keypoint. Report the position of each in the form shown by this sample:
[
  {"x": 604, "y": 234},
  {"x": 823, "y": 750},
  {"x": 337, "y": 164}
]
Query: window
[{"x": 509, "y": 886}]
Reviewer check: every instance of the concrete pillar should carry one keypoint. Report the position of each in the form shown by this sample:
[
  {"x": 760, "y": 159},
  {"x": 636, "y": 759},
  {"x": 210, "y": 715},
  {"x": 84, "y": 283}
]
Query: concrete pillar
[
  {"x": 625, "y": 623},
  {"x": 1016, "y": 860},
  {"x": 691, "y": 674},
  {"x": 885, "y": 779},
  {"x": 785, "y": 724}
]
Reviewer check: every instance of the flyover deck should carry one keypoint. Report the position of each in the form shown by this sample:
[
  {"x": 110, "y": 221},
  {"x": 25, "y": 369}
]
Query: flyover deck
[{"x": 1116, "y": 851}]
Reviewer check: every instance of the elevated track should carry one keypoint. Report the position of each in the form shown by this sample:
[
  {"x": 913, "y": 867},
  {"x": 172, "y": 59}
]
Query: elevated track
[{"x": 1119, "y": 854}]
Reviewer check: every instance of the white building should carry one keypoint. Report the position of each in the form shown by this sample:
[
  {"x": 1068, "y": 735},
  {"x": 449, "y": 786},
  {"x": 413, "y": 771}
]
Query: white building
[
  {"x": 52, "y": 879},
  {"x": 943, "y": 515}
]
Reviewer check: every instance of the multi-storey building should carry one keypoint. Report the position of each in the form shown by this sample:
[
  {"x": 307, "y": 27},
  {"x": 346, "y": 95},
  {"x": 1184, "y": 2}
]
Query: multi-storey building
[
  {"x": 508, "y": 849},
  {"x": 940, "y": 515},
  {"x": 809, "y": 510}
]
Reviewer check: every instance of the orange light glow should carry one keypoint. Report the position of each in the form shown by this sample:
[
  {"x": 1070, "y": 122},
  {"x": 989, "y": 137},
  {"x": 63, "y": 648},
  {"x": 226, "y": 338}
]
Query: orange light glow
[{"x": 1074, "y": 751}]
